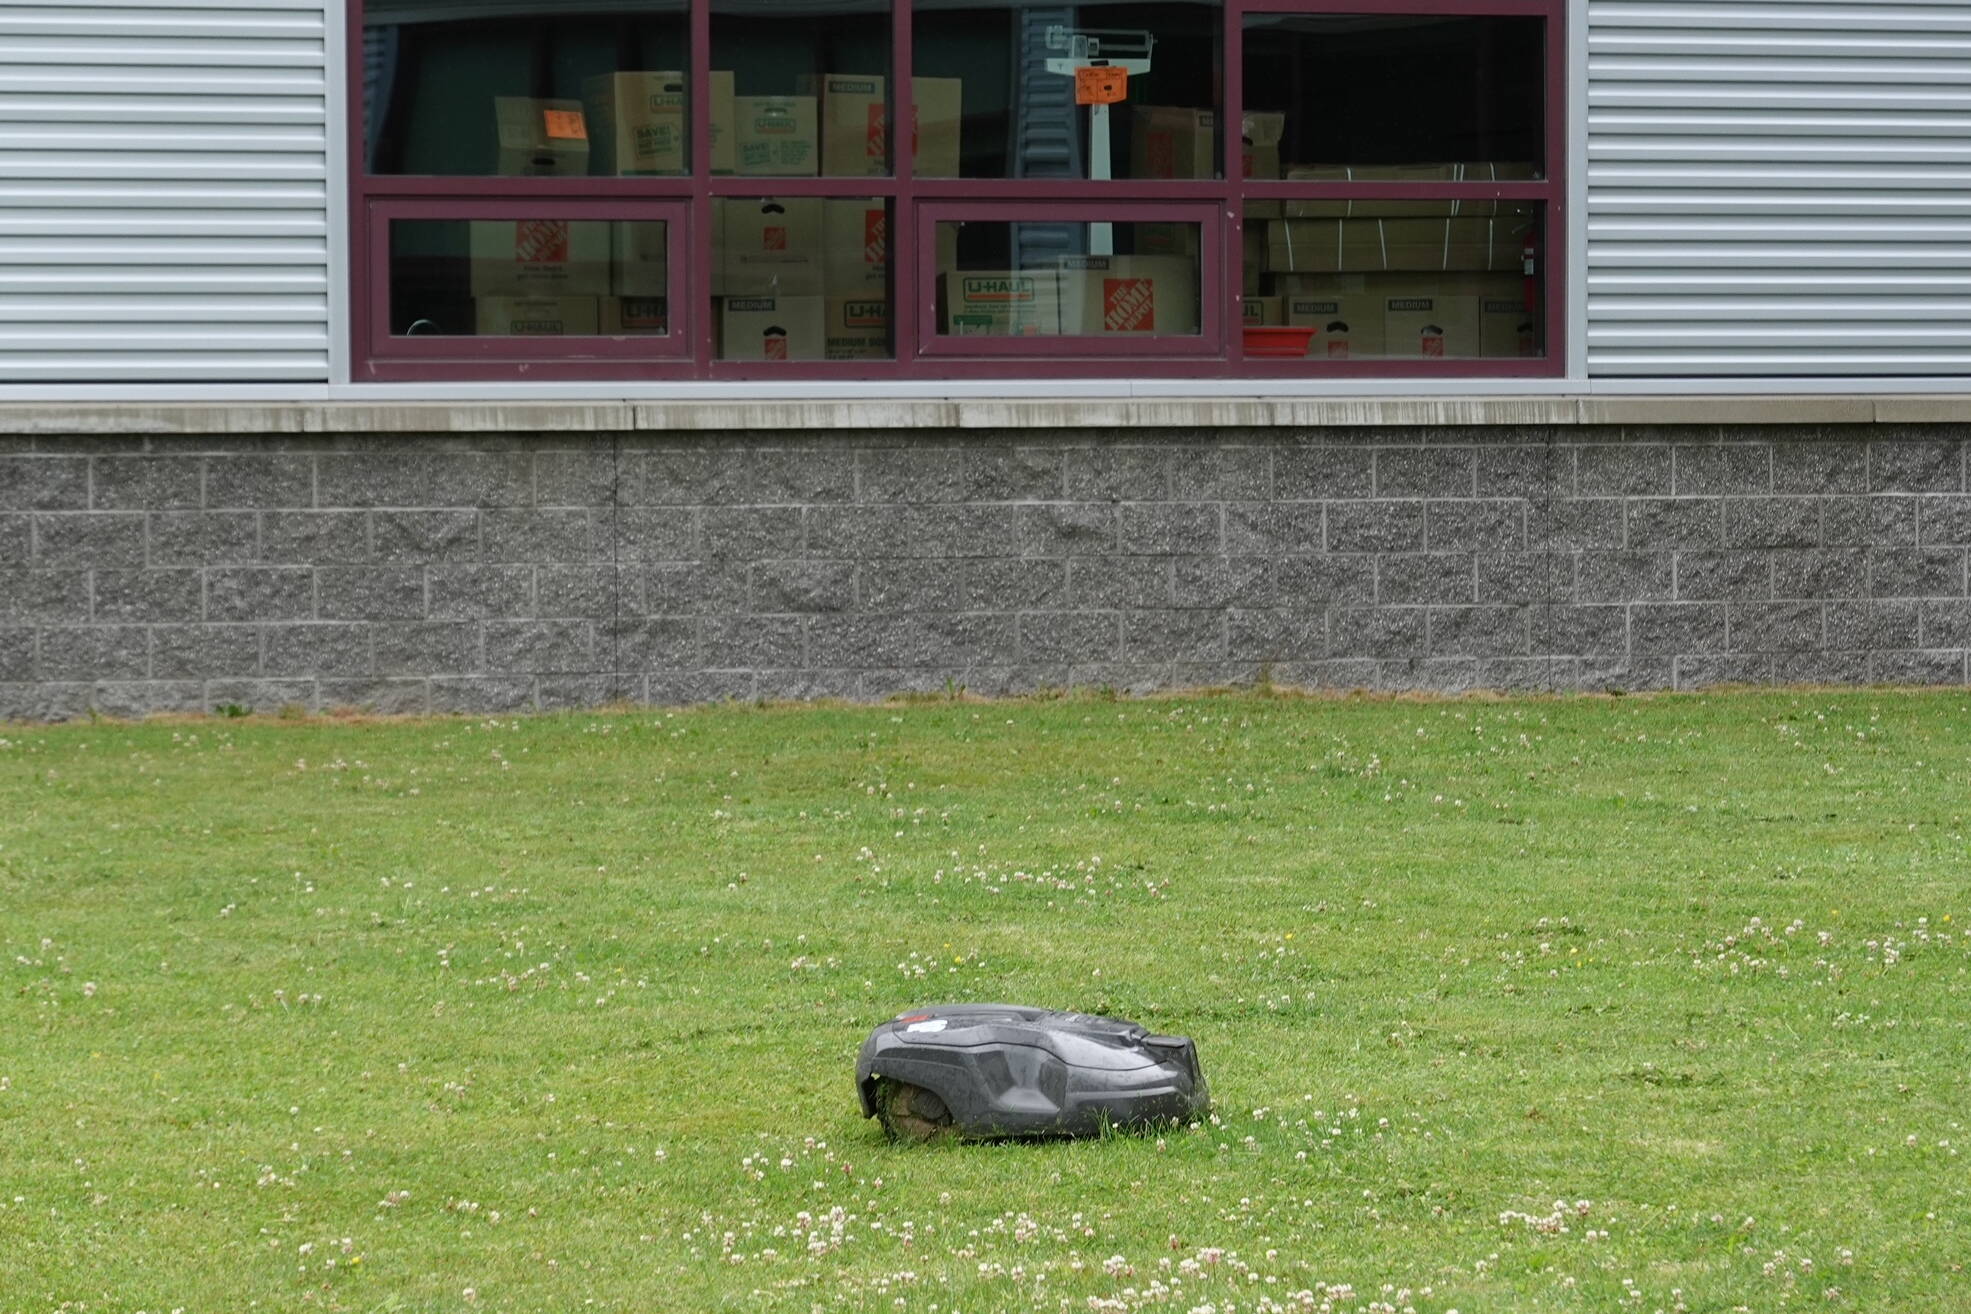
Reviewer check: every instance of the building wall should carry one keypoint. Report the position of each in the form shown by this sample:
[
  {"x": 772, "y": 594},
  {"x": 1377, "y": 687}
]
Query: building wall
[
  {"x": 164, "y": 191},
  {"x": 459, "y": 572},
  {"x": 1777, "y": 187}
]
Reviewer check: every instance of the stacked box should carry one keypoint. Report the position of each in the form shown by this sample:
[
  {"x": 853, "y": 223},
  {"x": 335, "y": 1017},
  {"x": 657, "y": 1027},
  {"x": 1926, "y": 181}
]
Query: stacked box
[
  {"x": 772, "y": 247},
  {"x": 634, "y": 316},
  {"x": 1169, "y": 142},
  {"x": 1345, "y": 315},
  {"x": 775, "y": 136},
  {"x": 1000, "y": 303},
  {"x": 1423, "y": 321},
  {"x": 515, "y": 317},
  {"x": 639, "y": 258},
  {"x": 1129, "y": 295},
  {"x": 1260, "y": 312},
  {"x": 855, "y": 125},
  {"x": 539, "y": 257},
  {"x": 638, "y": 121},
  {"x": 856, "y": 328},
  {"x": 855, "y": 248},
  {"x": 540, "y": 138},
  {"x": 771, "y": 328},
  {"x": 725, "y": 153}
]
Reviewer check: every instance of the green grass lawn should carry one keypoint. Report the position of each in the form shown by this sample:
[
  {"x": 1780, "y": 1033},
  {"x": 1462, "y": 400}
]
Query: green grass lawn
[{"x": 1646, "y": 1003}]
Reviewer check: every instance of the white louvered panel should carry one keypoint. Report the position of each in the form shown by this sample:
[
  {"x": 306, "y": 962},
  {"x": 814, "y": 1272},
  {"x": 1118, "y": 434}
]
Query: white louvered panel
[
  {"x": 1779, "y": 187},
  {"x": 163, "y": 191}
]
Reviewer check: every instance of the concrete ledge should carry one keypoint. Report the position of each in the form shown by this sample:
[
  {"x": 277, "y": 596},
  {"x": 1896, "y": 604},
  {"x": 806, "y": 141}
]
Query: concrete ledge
[{"x": 275, "y": 418}]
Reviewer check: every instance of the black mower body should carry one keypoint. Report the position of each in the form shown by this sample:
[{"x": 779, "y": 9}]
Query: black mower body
[{"x": 1004, "y": 1070}]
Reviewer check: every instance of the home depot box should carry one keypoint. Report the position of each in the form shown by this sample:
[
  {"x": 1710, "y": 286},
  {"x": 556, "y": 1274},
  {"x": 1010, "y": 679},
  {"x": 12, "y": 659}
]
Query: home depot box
[
  {"x": 855, "y": 256},
  {"x": 1168, "y": 142},
  {"x": 1259, "y": 157},
  {"x": 639, "y": 258},
  {"x": 1166, "y": 239},
  {"x": 633, "y": 315},
  {"x": 937, "y": 126},
  {"x": 770, "y": 328},
  {"x": 637, "y": 123},
  {"x": 775, "y": 135},
  {"x": 856, "y": 328},
  {"x": 547, "y": 138},
  {"x": 550, "y": 317},
  {"x": 1141, "y": 295},
  {"x": 1258, "y": 312},
  {"x": 1000, "y": 303},
  {"x": 855, "y": 125},
  {"x": 1506, "y": 326},
  {"x": 1421, "y": 320},
  {"x": 539, "y": 257},
  {"x": 1372, "y": 207},
  {"x": 1346, "y": 317},
  {"x": 773, "y": 247}
]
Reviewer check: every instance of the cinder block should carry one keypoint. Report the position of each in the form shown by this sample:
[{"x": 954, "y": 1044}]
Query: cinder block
[
  {"x": 1916, "y": 573},
  {"x": 750, "y": 533},
  {"x": 202, "y": 652},
  {"x": 1657, "y": 523},
  {"x": 405, "y": 477},
  {"x": 131, "y": 597},
  {"x": 581, "y": 479},
  {"x": 1626, "y": 469},
  {"x": 403, "y": 538},
  {"x": 1945, "y": 624},
  {"x": 1820, "y": 466},
  {"x": 952, "y": 639},
  {"x": 44, "y": 597},
  {"x": 1425, "y": 577},
  {"x": 1773, "y": 522},
  {"x": 1671, "y": 629},
  {"x": 1474, "y": 526},
  {"x": 250, "y": 482},
  {"x": 679, "y": 688},
  {"x": 527, "y": 538},
  {"x": 1521, "y": 471},
  {"x": 331, "y": 649},
  {"x": 1710, "y": 672},
  {"x": 1015, "y": 473},
  {"x": 560, "y": 646},
  {"x": 1171, "y": 528},
  {"x": 1192, "y": 636},
  {"x": 683, "y": 476},
  {"x": 370, "y": 593},
  {"x": 587, "y": 592},
  {"x": 16, "y": 541},
  {"x": 1274, "y": 527},
  {"x": 482, "y": 694},
  {"x": 202, "y": 538},
  {"x": 145, "y": 483},
  {"x": 1425, "y": 472},
  {"x": 1577, "y": 524},
  {"x": 1217, "y": 473},
  {"x": 1869, "y": 521},
  {"x": 1573, "y": 630},
  {"x": 1824, "y": 573},
  {"x": 658, "y": 643},
  {"x": 89, "y": 538},
  {"x": 752, "y": 641},
  {"x": 890, "y": 586},
  {"x": 1724, "y": 576},
  {"x": 1722, "y": 468},
  {"x": 1214, "y": 582},
  {"x": 1906, "y": 465},
  {"x": 248, "y": 594},
  {"x": 314, "y": 538},
  {"x": 1377, "y": 631},
  {"x": 1775, "y": 627},
  {"x": 1524, "y": 577},
  {"x": 1013, "y": 585},
  {"x": 1478, "y": 632},
  {"x": 1278, "y": 634},
  {"x": 1375, "y": 526},
  {"x": 1323, "y": 473},
  {"x": 1916, "y": 668},
  {"x": 801, "y": 476},
  {"x": 479, "y": 592},
  {"x": 409, "y": 697},
  {"x": 904, "y": 476},
  {"x": 1067, "y": 529},
  {"x": 1944, "y": 520},
  {"x": 16, "y": 654},
  {"x": 1074, "y": 637},
  {"x": 799, "y": 586},
  {"x": 132, "y": 700},
  {"x": 1866, "y": 626},
  {"x": 1117, "y": 473},
  {"x": 95, "y": 652},
  {"x": 44, "y": 483}
]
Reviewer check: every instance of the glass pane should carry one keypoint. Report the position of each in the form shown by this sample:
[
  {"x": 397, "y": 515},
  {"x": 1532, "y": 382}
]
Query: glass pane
[
  {"x": 531, "y": 87},
  {"x": 802, "y": 278},
  {"x": 1120, "y": 91},
  {"x": 998, "y": 279},
  {"x": 808, "y": 86},
  {"x": 1401, "y": 287},
  {"x": 528, "y": 277},
  {"x": 1385, "y": 98}
]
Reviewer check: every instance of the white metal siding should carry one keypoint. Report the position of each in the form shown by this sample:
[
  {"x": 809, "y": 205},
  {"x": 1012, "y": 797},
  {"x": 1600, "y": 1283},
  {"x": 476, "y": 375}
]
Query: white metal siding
[
  {"x": 163, "y": 191},
  {"x": 1779, "y": 187}
]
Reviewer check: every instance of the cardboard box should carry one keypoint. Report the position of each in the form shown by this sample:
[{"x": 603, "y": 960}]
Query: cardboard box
[
  {"x": 1258, "y": 312},
  {"x": 854, "y": 124},
  {"x": 1375, "y": 245},
  {"x": 1422, "y": 321},
  {"x": 634, "y": 316},
  {"x": 1000, "y": 303},
  {"x": 639, "y": 258},
  {"x": 855, "y": 248},
  {"x": 937, "y": 127},
  {"x": 1138, "y": 296},
  {"x": 540, "y": 138},
  {"x": 770, "y": 328},
  {"x": 539, "y": 257},
  {"x": 775, "y": 136},
  {"x": 857, "y": 328},
  {"x": 1259, "y": 157},
  {"x": 1346, "y": 316},
  {"x": 637, "y": 123},
  {"x": 1166, "y": 239},
  {"x": 1168, "y": 142},
  {"x": 773, "y": 247},
  {"x": 1506, "y": 327},
  {"x": 529, "y": 317},
  {"x": 725, "y": 153},
  {"x": 1372, "y": 207}
]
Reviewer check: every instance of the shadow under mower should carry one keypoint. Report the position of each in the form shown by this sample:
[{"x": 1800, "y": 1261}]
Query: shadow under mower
[{"x": 980, "y": 1071}]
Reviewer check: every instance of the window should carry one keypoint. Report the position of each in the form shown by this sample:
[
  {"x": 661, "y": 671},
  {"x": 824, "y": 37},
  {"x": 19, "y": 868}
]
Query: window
[{"x": 718, "y": 189}]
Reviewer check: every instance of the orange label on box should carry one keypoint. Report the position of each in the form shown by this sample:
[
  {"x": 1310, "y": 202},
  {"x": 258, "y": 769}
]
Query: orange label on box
[
  {"x": 1100, "y": 86},
  {"x": 1129, "y": 305},
  {"x": 773, "y": 238},
  {"x": 775, "y": 345},
  {"x": 875, "y": 236},
  {"x": 540, "y": 241},
  {"x": 565, "y": 123},
  {"x": 877, "y": 132}
]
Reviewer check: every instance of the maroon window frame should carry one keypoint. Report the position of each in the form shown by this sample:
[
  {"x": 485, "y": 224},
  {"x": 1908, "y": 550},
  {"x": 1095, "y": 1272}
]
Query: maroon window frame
[{"x": 685, "y": 201}]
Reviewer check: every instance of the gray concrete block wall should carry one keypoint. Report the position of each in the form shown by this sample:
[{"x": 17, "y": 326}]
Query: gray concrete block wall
[{"x": 446, "y": 573}]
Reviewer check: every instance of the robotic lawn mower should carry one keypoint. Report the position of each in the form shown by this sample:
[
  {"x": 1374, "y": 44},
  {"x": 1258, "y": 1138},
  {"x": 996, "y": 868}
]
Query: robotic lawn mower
[{"x": 987, "y": 1070}]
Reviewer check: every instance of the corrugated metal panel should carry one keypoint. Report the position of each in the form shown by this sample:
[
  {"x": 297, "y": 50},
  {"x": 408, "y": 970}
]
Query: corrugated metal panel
[
  {"x": 164, "y": 191},
  {"x": 1779, "y": 187}
]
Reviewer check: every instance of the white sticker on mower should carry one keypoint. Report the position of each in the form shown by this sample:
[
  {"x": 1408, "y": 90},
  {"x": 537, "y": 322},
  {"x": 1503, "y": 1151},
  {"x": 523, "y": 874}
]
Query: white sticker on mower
[{"x": 935, "y": 1024}]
